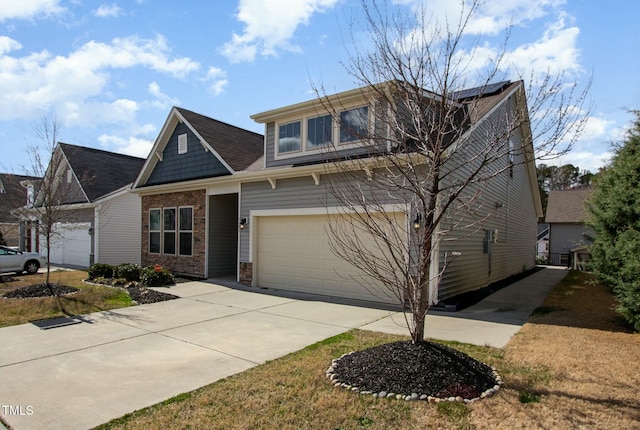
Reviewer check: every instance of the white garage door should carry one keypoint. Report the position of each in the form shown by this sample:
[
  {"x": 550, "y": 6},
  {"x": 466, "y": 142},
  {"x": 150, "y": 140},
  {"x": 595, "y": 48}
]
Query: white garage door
[
  {"x": 293, "y": 254},
  {"x": 71, "y": 245}
]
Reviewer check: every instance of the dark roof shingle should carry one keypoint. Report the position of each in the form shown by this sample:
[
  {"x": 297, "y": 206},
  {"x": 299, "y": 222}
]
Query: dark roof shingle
[
  {"x": 567, "y": 206},
  {"x": 239, "y": 148},
  {"x": 106, "y": 171}
]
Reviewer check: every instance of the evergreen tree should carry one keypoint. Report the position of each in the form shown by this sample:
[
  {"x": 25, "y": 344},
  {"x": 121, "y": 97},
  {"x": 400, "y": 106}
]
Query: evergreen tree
[{"x": 615, "y": 219}]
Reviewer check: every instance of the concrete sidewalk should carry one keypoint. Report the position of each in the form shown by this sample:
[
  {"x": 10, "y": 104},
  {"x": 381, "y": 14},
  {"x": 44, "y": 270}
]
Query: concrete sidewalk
[
  {"x": 115, "y": 362},
  {"x": 490, "y": 322}
]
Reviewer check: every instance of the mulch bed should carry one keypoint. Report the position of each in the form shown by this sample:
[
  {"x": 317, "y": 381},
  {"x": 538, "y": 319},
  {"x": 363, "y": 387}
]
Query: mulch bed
[
  {"x": 145, "y": 296},
  {"x": 404, "y": 370},
  {"x": 39, "y": 290}
]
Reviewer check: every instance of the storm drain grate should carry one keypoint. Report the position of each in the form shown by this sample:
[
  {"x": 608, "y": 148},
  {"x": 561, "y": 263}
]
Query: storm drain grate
[{"x": 55, "y": 322}]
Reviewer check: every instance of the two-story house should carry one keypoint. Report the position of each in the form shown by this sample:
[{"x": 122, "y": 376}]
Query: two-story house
[{"x": 219, "y": 201}]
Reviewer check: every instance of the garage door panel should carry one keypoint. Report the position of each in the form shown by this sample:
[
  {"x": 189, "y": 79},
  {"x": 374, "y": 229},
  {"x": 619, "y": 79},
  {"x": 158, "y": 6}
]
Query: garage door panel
[{"x": 293, "y": 253}]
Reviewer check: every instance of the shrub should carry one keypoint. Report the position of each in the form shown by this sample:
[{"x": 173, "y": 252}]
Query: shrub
[
  {"x": 100, "y": 270},
  {"x": 150, "y": 278},
  {"x": 130, "y": 272}
]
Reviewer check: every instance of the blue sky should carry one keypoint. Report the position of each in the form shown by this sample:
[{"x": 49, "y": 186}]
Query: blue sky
[{"x": 111, "y": 71}]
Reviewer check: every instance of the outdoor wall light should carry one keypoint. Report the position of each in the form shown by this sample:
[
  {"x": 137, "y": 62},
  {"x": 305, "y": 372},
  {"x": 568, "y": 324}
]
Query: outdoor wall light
[
  {"x": 243, "y": 223},
  {"x": 417, "y": 221}
]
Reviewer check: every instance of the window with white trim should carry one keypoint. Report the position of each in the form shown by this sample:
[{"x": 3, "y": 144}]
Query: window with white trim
[
  {"x": 185, "y": 231},
  {"x": 182, "y": 143},
  {"x": 289, "y": 137},
  {"x": 154, "y": 231},
  {"x": 354, "y": 124},
  {"x": 313, "y": 133},
  {"x": 169, "y": 231}
]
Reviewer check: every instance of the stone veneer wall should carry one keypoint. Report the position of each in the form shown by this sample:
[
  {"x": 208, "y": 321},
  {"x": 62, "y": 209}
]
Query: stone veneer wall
[
  {"x": 246, "y": 273},
  {"x": 192, "y": 266}
]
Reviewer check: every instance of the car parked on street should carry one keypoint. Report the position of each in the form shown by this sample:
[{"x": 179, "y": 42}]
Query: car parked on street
[{"x": 12, "y": 260}]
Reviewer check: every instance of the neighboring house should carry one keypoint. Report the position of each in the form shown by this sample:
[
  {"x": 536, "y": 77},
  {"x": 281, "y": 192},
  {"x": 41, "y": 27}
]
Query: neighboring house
[
  {"x": 542, "y": 246},
  {"x": 100, "y": 222},
  {"x": 12, "y": 196},
  {"x": 568, "y": 235},
  {"x": 220, "y": 201}
]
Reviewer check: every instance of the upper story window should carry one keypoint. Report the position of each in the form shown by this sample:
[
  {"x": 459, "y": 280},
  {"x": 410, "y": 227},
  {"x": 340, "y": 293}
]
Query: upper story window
[
  {"x": 313, "y": 133},
  {"x": 354, "y": 124},
  {"x": 69, "y": 176},
  {"x": 319, "y": 130},
  {"x": 289, "y": 137}
]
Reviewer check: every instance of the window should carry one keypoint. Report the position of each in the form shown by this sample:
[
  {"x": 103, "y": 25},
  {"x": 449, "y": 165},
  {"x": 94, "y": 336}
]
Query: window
[
  {"x": 354, "y": 124},
  {"x": 69, "y": 176},
  {"x": 154, "y": 231},
  {"x": 182, "y": 143},
  {"x": 289, "y": 137},
  {"x": 185, "y": 233},
  {"x": 319, "y": 130},
  {"x": 169, "y": 232}
]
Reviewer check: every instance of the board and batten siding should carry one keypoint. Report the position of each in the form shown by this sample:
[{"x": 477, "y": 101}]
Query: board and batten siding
[
  {"x": 194, "y": 164},
  {"x": 508, "y": 201},
  {"x": 118, "y": 230}
]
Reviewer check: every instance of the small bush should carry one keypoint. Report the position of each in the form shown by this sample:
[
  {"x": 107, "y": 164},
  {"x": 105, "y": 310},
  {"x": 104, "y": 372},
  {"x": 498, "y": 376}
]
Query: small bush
[
  {"x": 130, "y": 272},
  {"x": 100, "y": 270},
  {"x": 150, "y": 278}
]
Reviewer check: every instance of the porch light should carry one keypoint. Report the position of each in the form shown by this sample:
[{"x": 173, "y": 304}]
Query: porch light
[
  {"x": 243, "y": 223},
  {"x": 417, "y": 221}
]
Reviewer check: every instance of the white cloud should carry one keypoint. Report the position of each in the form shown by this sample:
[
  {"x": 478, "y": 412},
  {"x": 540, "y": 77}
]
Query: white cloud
[
  {"x": 136, "y": 146},
  {"x": 162, "y": 100},
  {"x": 108, "y": 11},
  {"x": 585, "y": 160},
  {"x": 41, "y": 81},
  {"x": 270, "y": 26},
  {"x": 490, "y": 17},
  {"x": 29, "y": 9},
  {"x": 218, "y": 80},
  {"x": 7, "y": 45},
  {"x": 83, "y": 113},
  {"x": 555, "y": 52}
]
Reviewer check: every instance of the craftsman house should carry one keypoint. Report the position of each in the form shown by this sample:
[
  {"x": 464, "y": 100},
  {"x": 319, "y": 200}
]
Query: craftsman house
[
  {"x": 219, "y": 201},
  {"x": 99, "y": 220}
]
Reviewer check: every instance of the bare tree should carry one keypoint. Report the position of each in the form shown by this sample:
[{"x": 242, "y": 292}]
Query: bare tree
[
  {"x": 49, "y": 199},
  {"x": 421, "y": 157}
]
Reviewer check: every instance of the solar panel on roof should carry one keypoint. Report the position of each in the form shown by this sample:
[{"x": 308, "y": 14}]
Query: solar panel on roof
[{"x": 478, "y": 91}]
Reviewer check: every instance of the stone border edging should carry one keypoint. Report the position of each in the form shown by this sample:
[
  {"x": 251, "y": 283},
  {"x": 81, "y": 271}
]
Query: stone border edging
[{"x": 333, "y": 378}]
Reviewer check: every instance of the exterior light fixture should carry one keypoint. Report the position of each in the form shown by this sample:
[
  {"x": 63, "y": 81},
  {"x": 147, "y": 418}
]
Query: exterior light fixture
[
  {"x": 243, "y": 223},
  {"x": 417, "y": 221}
]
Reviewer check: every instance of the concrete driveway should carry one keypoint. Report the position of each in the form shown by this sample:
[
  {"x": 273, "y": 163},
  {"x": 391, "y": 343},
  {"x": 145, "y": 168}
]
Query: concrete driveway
[
  {"x": 115, "y": 362},
  {"x": 112, "y": 363}
]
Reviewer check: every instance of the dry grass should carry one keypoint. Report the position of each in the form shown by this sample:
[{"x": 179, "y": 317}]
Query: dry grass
[
  {"x": 574, "y": 364},
  {"x": 90, "y": 298}
]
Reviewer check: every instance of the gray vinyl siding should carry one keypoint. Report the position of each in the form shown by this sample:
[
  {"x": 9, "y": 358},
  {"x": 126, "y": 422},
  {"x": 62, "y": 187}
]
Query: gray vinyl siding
[
  {"x": 515, "y": 221},
  {"x": 293, "y": 193},
  {"x": 118, "y": 234},
  {"x": 564, "y": 236},
  {"x": 196, "y": 163},
  {"x": 223, "y": 235}
]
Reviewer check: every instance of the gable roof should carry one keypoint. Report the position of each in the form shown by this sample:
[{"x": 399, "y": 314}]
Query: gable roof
[
  {"x": 567, "y": 206},
  {"x": 236, "y": 148},
  {"x": 12, "y": 194},
  {"x": 239, "y": 148},
  {"x": 108, "y": 171}
]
